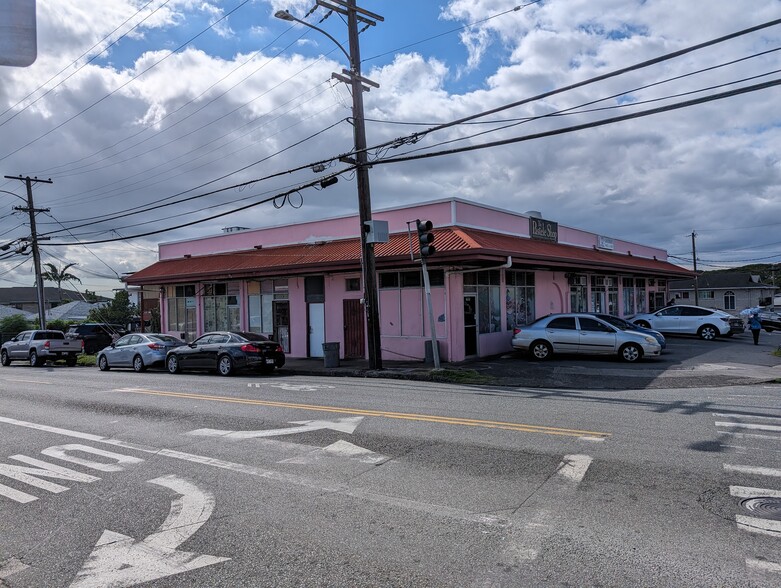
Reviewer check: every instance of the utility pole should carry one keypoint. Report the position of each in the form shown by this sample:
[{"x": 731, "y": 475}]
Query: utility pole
[
  {"x": 696, "y": 277},
  {"x": 364, "y": 192},
  {"x": 34, "y": 241},
  {"x": 358, "y": 85}
]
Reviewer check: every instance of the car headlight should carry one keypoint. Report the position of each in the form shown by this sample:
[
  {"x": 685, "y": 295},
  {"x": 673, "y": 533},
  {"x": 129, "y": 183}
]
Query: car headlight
[{"x": 650, "y": 339}]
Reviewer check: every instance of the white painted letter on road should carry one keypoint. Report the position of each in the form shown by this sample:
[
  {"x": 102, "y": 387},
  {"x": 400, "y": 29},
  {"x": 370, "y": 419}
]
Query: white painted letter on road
[
  {"x": 28, "y": 475},
  {"x": 62, "y": 452}
]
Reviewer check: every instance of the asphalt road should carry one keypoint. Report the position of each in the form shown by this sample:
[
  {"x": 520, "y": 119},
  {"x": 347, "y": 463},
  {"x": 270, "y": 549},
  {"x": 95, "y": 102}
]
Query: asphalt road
[{"x": 117, "y": 479}]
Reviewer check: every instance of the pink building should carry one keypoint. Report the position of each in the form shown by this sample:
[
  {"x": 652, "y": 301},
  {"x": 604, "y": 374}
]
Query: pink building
[{"x": 493, "y": 270}]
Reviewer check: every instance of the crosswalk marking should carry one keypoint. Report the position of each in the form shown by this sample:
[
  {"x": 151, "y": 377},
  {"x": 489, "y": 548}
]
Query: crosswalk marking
[
  {"x": 747, "y": 492},
  {"x": 761, "y": 526},
  {"x": 763, "y": 565},
  {"x": 752, "y": 426},
  {"x": 759, "y": 471},
  {"x": 728, "y": 415}
]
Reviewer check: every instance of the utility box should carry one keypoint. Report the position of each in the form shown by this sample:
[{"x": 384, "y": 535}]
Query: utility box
[
  {"x": 331, "y": 354},
  {"x": 377, "y": 231}
]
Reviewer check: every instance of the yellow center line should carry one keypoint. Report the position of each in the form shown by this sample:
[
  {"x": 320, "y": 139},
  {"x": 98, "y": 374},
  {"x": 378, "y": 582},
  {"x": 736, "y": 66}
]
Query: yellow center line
[{"x": 377, "y": 413}]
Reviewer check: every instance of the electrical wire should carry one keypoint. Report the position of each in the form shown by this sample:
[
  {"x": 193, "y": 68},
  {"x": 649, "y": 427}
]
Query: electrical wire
[
  {"x": 82, "y": 66},
  {"x": 451, "y": 31},
  {"x": 158, "y": 205},
  {"x": 123, "y": 85}
]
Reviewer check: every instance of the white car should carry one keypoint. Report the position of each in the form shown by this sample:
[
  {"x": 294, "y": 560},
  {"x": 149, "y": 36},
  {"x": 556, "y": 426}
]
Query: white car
[{"x": 708, "y": 323}]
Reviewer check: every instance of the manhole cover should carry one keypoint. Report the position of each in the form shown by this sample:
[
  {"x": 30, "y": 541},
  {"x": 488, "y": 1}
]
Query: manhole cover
[{"x": 765, "y": 507}]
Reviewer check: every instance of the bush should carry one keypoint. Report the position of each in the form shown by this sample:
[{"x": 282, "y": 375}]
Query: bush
[
  {"x": 11, "y": 325},
  {"x": 58, "y": 325}
]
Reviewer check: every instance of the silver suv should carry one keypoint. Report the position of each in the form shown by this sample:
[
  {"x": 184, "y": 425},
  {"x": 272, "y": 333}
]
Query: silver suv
[{"x": 582, "y": 333}]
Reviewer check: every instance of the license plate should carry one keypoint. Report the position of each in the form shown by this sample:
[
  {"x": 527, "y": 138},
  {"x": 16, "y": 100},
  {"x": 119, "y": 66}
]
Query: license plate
[{"x": 270, "y": 361}]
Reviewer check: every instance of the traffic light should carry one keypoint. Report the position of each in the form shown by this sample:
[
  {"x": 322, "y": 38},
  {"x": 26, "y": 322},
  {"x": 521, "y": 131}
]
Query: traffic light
[{"x": 426, "y": 238}]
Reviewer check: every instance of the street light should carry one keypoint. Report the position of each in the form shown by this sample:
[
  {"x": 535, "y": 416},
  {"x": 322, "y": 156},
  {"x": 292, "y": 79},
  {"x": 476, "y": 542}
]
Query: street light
[{"x": 349, "y": 8}]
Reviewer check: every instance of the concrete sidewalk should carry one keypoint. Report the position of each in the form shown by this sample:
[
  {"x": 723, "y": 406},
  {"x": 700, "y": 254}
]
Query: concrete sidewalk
[{"x": 517, "y": 371}]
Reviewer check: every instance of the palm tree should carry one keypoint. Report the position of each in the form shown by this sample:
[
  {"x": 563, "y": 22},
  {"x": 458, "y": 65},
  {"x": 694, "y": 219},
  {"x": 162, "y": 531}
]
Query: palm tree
[{"x": 58, "y": 276}]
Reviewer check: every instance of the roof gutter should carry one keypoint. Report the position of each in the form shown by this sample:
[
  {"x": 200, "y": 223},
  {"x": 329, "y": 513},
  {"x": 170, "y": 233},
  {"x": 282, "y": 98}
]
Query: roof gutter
[{"x": 505, "y": 265}]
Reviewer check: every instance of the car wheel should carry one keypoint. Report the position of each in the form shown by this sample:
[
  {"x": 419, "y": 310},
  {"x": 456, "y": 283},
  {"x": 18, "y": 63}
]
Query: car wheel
[
  {"x": 644, "y": 324},
  {"x": 70, "y": 361},
  {"x": 540, "y": 350},
  {"x": 35, "y": 361},
  {"x": 138, "y": 364},
  {"x": 708, "y": 332},
  {"x": 630, "y": 352},
  {"x": 172, "y": 363},
  {"x": 4, "y": 359},
  {"x": 103, "y": 364},
  {"x": 225, "y": 365}
]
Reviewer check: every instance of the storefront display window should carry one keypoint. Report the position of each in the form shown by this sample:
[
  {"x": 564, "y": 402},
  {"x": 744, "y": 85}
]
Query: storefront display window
[
  {"x": 181, "y": 309},
  {"x": 629, "y": 296},
  {"x": 519, "y": 299},
  {"x": 489, "y": 309},
  {"x": 221, "y": 307}
]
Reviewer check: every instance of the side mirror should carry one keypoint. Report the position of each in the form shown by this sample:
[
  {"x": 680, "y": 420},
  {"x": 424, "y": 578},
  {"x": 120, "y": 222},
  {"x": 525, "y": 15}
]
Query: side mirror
[
  {"x": 113, "y": 345},
  {"x": 193, "y": 345}
]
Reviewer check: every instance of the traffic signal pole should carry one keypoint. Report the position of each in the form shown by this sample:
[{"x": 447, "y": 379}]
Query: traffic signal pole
[{"x": 425, "y": 240}]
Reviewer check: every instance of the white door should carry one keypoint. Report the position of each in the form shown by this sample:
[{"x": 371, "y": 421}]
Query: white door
[{"x": 316, "y": 328}]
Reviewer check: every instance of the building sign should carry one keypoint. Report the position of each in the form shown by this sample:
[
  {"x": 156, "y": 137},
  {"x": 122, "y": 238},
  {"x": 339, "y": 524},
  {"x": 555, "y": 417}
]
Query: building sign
[
  {"x": 543, "y": 230},
  {"x": 605, "y": 243}
]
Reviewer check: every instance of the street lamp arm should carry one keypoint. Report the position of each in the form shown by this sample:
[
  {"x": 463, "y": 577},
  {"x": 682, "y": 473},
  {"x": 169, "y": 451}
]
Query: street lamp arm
[
  {"x": 14, "y": 194},
  {"x": 285, "y": 15}
]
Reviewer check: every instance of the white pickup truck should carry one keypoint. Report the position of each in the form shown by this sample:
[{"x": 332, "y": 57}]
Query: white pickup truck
[{"x": 38, "y": 347}]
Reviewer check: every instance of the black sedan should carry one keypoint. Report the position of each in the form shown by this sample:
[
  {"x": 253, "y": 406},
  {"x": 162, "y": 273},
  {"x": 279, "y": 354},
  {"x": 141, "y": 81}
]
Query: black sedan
[{"x": 227, "y": 352}]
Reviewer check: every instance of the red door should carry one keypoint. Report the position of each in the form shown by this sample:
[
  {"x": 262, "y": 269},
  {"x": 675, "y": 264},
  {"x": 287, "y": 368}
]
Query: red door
[{"x": 354, "y": 338}]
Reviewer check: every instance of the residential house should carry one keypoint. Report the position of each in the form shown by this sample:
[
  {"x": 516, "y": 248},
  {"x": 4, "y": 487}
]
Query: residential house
[{"x": 730, "y": 291}]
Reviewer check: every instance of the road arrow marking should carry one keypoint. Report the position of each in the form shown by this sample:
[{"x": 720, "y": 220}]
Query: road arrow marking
[
  {"x": 345, "y": 425},
  {"x": 343, "y": 449},
  {"x": 120, "y": 561}
]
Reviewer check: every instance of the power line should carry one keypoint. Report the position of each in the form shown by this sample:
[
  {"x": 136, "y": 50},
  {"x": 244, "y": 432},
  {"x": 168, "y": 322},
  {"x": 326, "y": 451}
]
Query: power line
[
  {"x": 73, "y": 73},
  {"x": 121, "y": 86},
  {"x": 451, "y": 31}
]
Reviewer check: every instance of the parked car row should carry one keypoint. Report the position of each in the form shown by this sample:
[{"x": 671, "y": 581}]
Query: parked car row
[
  {"x": 640, "y": 336},
  {"x": 226, "y": 352}
]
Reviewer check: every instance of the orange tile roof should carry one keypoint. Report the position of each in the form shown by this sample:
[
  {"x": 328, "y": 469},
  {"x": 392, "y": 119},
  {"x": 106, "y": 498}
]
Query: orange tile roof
[{"x": 455, "y": 245}]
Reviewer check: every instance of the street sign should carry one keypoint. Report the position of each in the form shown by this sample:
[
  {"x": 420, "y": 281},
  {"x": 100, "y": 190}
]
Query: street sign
[{"x": 18, "y": 45}]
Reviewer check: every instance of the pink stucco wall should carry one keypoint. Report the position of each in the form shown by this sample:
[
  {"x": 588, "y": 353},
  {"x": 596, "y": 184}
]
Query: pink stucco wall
[{"x": 441, "y": 213}]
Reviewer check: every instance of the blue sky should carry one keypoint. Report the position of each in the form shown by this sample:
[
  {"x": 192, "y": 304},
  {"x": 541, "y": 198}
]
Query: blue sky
[{"x": 116, "y": 144}]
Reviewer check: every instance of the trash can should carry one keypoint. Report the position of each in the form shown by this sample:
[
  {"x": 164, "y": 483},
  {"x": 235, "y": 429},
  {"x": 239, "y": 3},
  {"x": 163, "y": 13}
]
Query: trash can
[
  {"x": 331, "y": 354},
  {"x": 429, "y": 356}
]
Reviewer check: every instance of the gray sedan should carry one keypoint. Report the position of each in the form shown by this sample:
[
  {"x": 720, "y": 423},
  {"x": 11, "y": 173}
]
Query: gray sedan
[
  {"x": 137, "y": 350},
  {"x": 585, "y": 334}
]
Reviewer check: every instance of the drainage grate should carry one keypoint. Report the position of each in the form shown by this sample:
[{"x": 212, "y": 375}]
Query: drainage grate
[{"x": 763, "y": 506}]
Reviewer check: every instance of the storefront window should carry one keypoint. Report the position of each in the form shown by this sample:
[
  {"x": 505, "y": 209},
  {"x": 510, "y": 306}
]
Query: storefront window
[
  {"x": 519, "y": 298},
  {"x": 640, "y": 287},
  {"x": 629, "y": 296},
  {"x": 489, "y": 310},
  {"x": 181, "y": 309},
  {"x": 261, "y": 299},
  {"x": 221, "y": 307}
]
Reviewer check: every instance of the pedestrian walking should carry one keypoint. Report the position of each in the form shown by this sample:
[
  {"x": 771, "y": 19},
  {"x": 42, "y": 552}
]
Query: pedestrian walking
[{"x": 755, "y": 325}]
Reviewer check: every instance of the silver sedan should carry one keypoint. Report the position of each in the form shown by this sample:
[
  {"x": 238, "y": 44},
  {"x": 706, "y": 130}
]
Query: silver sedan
[
  {"x": 583, "y": 334},
  {"x": 137, "y": 350}
]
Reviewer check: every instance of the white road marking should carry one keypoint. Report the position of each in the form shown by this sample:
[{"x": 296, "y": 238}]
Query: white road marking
[
  {"x": 10, "y": 567},
  {"x": 753, "y": 426},
  {"x": 574, "y": 467},
  {"x": 591, "y": 439},
  {"x": 342, "y": 449},
  {"x": 760, "y": 526},
  {"x": 343, "y": 425},
  {"x": 750, "y": 435},
  {"x": 291, "y": 386},
  {"x": 28, "y": 381},
  {"x": 63, "y": 452},
  {"x": 434, "y": 509},
  {"x": 27, "y": 475},
  {"x": 747, "y": 492},
  {"x": 120, "y": 561},
  {"x": 763, "y": 565},
  {"x": 759, "y": 471},
  {"x": 743, "y": 416}
]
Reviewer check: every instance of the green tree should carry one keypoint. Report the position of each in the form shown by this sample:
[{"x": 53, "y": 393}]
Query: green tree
[
  {"x": 54, "y": 274},
  {"x": 119, "y": 311},
  {"x": 11, "y": 325},
  {"x": 90, "y": 296}
]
